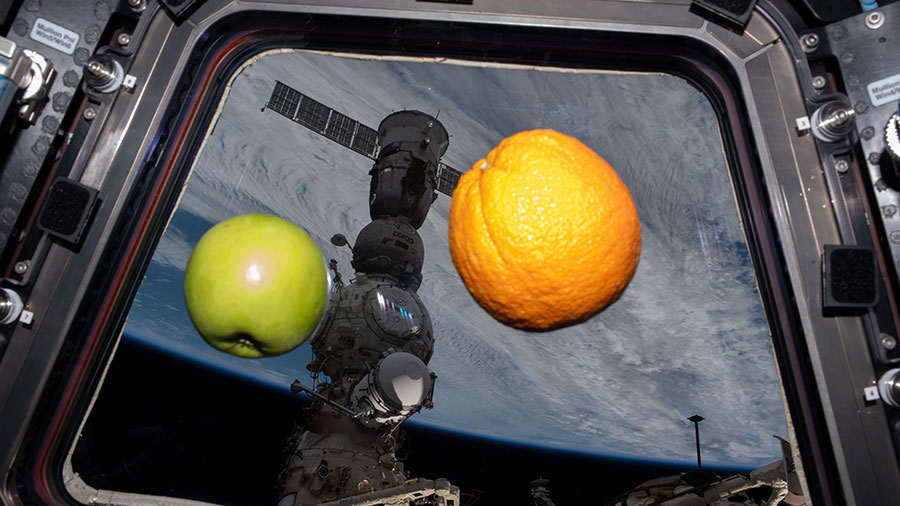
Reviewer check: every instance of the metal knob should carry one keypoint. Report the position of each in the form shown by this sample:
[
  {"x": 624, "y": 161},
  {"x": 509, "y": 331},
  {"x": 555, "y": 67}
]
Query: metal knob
[
  {"x": 833, "y": 121},
  {"x": 10, "y": 306},
  {"x": 103, "y": 74},
  {"x": 890, "y": 160},
  {"x": 889, "y": 387}
]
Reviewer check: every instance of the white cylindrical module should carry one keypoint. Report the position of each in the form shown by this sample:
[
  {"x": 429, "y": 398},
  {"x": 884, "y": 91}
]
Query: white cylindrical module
[
  {"x": 397, "y": 387},
  {"x": 403, "y": 380}
]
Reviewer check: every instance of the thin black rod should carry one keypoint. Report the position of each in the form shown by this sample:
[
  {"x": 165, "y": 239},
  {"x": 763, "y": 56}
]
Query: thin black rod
[{"x": 697, "y": 419}]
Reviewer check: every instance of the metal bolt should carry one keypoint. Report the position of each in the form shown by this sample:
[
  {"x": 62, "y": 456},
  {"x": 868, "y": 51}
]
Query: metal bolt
[
  {"x": 841, "y": 116},
  {"x": 874, "y": 20},
  {"x": 833, "y": 121},
  {"x": 810, "y": 42},
  {"x": 21, "y": 267},
  {"x": 124, "y": 39},
  {"x": 861, "y": 107},
  {"x": 888, "y": 342},
  {"x": 90, "y": 113},
  {"x": 847, "y": 58},
  {"x": 95, "y": 68},
  {"x": 818, "y": 82},
  {"x": 842, "y": 166},
  {"x": 137, "y": 5},
  {"x": 868, "y": 132},
  {"x": 874, "y": 158},
  {"x": 102, "y": 73}
]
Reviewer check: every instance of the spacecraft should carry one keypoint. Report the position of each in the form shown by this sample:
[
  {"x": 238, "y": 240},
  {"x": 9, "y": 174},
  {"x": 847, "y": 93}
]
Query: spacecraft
[
  {"x": 771, "y": 484},
  {"x": 376, "y": 337},
  {"x": 540, "y": 492}
]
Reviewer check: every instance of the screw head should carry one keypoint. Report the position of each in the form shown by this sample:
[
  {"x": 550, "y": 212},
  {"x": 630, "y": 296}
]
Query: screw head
[
  {"x": 95, "y": 68},
  {"x": 888, "y": 342},
  {"x": 90, "y": 113},
  {"x": 842, "y": 166},
  {"x": 868, "y": 132},
  {"x": 123, "y": 39},
  {"x": 874, "y": 158},
  {"x": 874, "y": 20},
  {"x": 841, "y": 116},
  {"x": 810, "y": 42},
  {"x": 21, "y": 267},
  {"x": 818, "y": 82}
]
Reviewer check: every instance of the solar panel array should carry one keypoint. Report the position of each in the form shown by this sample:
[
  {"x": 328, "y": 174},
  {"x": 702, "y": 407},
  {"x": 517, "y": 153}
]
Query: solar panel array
[
  {"x": 324, "y": 120},
  {"x": 342, "y": 129},
  {"x": 447, "y": 178},
  {"x": 284, "y": 100}
]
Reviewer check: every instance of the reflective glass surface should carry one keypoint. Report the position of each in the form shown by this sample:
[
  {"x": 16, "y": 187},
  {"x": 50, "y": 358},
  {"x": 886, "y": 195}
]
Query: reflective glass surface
[{"x": 688, "y": 336}]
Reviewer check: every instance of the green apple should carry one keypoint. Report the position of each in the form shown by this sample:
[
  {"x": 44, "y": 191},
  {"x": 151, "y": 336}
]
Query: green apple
[{"x": 255, "y": 286}]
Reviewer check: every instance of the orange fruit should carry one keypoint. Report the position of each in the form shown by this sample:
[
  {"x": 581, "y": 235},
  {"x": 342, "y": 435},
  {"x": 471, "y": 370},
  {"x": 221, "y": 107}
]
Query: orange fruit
[{"x": 543, "y": 232}]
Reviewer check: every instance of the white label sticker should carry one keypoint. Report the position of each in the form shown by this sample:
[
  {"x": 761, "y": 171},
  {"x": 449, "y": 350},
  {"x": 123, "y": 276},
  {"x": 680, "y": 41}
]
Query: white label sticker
[
  {"x": 884, "y": 90},
  {"x": 55, "y": 36}
]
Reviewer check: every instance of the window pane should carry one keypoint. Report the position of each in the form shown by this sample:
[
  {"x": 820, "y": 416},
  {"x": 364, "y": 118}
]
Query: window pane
[{"x": 688, "y": 336}]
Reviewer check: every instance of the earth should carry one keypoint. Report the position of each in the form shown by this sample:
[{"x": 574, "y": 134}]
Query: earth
[{"x": 688, "y": 336}]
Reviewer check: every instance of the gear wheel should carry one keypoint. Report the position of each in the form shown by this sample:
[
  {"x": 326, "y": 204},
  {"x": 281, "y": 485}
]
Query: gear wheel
[{"x": 890, "y": 165}]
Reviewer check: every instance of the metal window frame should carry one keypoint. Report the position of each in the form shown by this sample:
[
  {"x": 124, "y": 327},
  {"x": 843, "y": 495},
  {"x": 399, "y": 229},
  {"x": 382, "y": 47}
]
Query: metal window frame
[{"x": 141, "y": 148}]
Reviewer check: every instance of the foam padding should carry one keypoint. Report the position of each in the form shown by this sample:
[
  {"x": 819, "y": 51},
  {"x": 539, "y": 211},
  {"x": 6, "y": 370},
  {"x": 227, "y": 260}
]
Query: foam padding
[
  {"x": 66, "y": 209},
  {"x": 732, "y": 13}
]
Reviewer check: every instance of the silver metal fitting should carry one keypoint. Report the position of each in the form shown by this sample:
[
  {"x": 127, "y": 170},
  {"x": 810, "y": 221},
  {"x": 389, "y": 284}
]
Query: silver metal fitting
[
  {"x": 29, "y": 71},
  {"x": 833, "y": 121},
  {"x": 810, "y": 42},
  {"x": 14, "y": 65},
  {"x": 889, "y": 387},
  {"x": 874, "y": 20},
  {"x": 10, "y": 306},
  {"x": 888, "y": 342},
  {"x": 103, "y": 74}
]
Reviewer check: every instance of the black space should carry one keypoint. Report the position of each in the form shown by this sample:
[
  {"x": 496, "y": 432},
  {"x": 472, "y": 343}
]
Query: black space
[{"x": 165, "y": 426}]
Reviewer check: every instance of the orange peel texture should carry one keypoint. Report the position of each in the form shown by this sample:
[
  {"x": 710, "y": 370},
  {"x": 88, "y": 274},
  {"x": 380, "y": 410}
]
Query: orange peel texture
[{"x": 543, "y": 232}]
